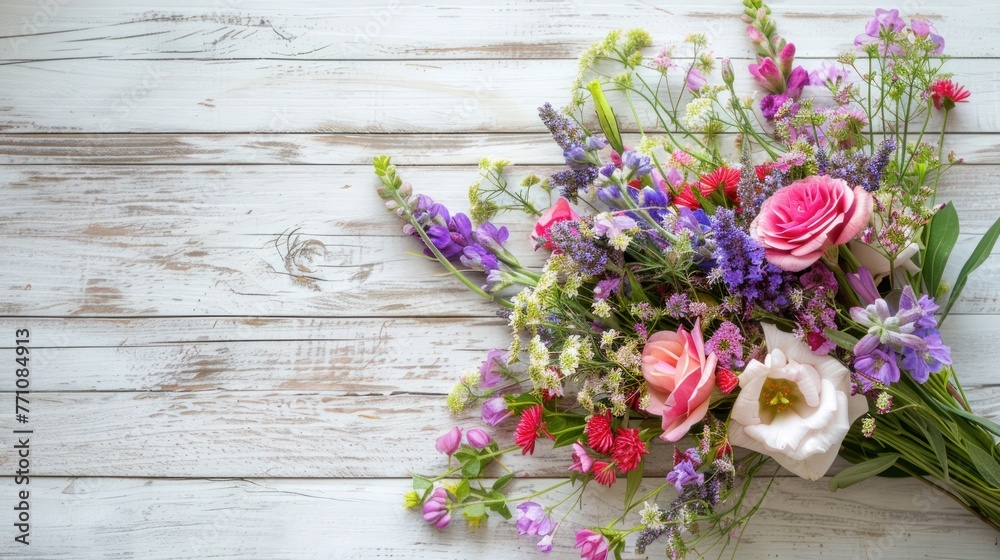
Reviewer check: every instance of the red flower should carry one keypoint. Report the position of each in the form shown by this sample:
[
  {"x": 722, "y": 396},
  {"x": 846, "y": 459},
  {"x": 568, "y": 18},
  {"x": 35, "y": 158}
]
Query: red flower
[
  {"x": 529, "y": 428},
  {"x": 604, "y": 473},
  {"x": 727, "y": 177},
  {"x": 725, "y": 450},
  {"x": 599, "y": 436},
  {"x": 725, "y": 380},
  {"x": 628, "y": 449},
  {"x": 946, "y": 93},
  {"x": 763, "y": 170},
  {"x": 686, "y": 197}
]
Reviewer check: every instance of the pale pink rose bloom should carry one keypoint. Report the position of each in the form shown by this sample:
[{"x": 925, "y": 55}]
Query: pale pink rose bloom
[
  {"x": 558, "y": 212},
  {"x": 680, "y": 379},
  {"x": 798, "y": 223}
]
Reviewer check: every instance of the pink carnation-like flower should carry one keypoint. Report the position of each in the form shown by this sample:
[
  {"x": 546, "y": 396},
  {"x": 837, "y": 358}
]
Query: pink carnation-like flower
[
  {"x": 680, "y": 378},
  {"x": 798, "y": 223}
]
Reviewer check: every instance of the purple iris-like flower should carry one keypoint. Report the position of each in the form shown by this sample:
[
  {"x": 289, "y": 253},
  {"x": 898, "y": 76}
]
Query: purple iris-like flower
[
  {"x": 638, "y": 164},
  {"x": 683, "y": 475},
  {"x": 489, "y": 370},
  {"x": 612, "y": 225},
  {"x": 533, "y": 520},
  {"x": 495, "y": 411},
  {"x": 596, "y": 142},
  {"x": 476, "y": 257},
  {"x": 879, "y": 365},
  {"x": 577, "y": 158},
  {"x": 934, "y": 357},
  {"x": 611, "y": 195},
  {"x": 491, "y": 237},
  {"x": 606, "y": 287},
  {"x": 864, "y": 285}
]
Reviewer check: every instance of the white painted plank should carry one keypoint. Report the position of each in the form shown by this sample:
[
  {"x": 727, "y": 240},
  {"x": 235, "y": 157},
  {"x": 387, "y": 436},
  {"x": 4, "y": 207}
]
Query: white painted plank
[
  {"x": 178, "y": 240},
  {"x": 112, "y": 96},
  {"x": 272, "y": 434},
  {"x": 333, "y": 149},
  {"x": 336, "y": 356},
  {"x": 321, "y": 518},
  {"x": 392, "y": 29}
]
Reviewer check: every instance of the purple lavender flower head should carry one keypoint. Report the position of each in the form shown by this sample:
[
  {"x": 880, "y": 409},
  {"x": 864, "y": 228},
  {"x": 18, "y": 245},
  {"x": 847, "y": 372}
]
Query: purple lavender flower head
[
  {"x": 533, "y": 521},
  {"x": 564, "y": 130},
  {"x": 490, "y": 370}
]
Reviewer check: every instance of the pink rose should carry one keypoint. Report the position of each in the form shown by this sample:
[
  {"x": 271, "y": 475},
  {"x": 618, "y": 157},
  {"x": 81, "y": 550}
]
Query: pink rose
[
  {"x": 798, "y": 223},
  {"x": 558, "y": 212},
  {"x": 680, "y": 379}
]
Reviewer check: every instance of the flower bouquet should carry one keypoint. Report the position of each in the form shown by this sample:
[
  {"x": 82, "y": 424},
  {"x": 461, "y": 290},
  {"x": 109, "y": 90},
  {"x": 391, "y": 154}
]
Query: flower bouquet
[{"x": 756, "y": 279}]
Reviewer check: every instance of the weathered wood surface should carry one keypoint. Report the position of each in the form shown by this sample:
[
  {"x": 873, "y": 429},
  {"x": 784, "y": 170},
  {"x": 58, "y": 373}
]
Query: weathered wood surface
[
  {"x": 295, "y": 519},
  {"x": 155, "y": 159}
]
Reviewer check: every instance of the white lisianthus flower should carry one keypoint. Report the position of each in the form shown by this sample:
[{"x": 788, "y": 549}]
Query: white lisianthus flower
[
  {"x": 874, "y": 259},
  {"x": 795, "y": 407}
]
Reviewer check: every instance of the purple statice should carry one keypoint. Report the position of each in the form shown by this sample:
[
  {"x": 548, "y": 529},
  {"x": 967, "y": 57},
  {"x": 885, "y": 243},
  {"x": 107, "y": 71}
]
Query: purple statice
[
  {"x": 877, "y": 165},
  {"x": 589, "y": 256},
  {"x": 564, "y": 130},
  {"x": 910, "y": 332},
  {"x": 743, "y": 266},
  {"x": 491, "y": 370},
  {"x": 727, "y": 345},
  {"x": 814, "y": 310},
  {"x": 683, "y": 475}
]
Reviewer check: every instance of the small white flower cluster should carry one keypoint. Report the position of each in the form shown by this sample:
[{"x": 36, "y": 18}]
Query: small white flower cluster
[
  {"x": 652, "y": 516},
  {"x": 698, "y": 114}
]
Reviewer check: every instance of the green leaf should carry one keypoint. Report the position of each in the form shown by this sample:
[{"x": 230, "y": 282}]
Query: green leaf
[
  {"x": 499, "y": 504},
  {"x": 472, "y": 468},
  {"x": 632, "y": 484},
  {"x": 986, "y": 465},
  {"x": 503, "y": 480},
  {"x": 940, "y": 242},
  {"x": 936, "y": 439},
  {"x": 842, "y": 339},
  {"x": 475, "y": 510},
  {"x": 862, "y": 471},
  {"x": 420, "y": 483},
  {"x": 978, "y": 257},
  {"x": 988, "y": 424},
  {"x": 462, "y": 490},
  {"x": 606, "y": 116}
]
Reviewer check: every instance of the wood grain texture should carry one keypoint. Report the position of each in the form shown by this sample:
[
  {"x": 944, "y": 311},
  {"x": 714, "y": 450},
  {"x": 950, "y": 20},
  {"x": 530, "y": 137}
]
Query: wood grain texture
[
  {"x": 251, "y": 96},
  {"x": 295, "y": 519},
  {"x": 221, "y": 395}
]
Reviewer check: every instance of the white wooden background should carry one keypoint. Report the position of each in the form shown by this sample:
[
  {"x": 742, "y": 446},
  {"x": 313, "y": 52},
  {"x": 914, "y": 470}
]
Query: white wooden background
[{"x": 197, "y": 393}]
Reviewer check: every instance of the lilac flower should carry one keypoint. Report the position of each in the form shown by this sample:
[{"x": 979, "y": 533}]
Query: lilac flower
[
  {"x": 683, "y": 474},
  {"x": 743, "y": 265},
  {"x": 449, "y": 441},
  {"x": 727, "y": 345},
  {"x": 436, "y": 508},
  {"x": 879, "y": 365},
  {"x": 920, "y": 364},
  {"x": 564, "y": 130},
  {"x": 606, "y": 287},
  {"x": 828, "y": 74},
  {"x": 491, "y": 237},
  {"x": 695, "y": 80},
  {"x": 478, "y": 438},
  {"x": 610, "y": 226},
  {"x": 885, "y": 21},
  {"x": 582, "y": 461},
  {"x": 533, "y": 521},
  {"x": 924, "y": 28},
  {"x": 636, "y": 164},
  {"x": 489, "y": 370},
  {"x": 477, "y": 257},
  {"x": 495, "y": 411},
  {"x": 596, "y": 142},
  {"x": 545, "y": 544}
]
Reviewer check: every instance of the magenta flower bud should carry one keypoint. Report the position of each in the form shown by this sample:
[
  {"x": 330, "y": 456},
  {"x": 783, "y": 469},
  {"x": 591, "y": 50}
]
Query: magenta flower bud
[
  {"x": 768, "y": 75},
  {"x": 449, "y": 442},
  {"x": 727, "y": 72},
  {"x": 756, "y": 37},
  {"x": 582, "y": 461},
  {"x": 478, "y": 438},
  {"x": 436, "y": 509},
  {"x": 786, "y": 58},
  {"x": 797, "y": 80}
]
